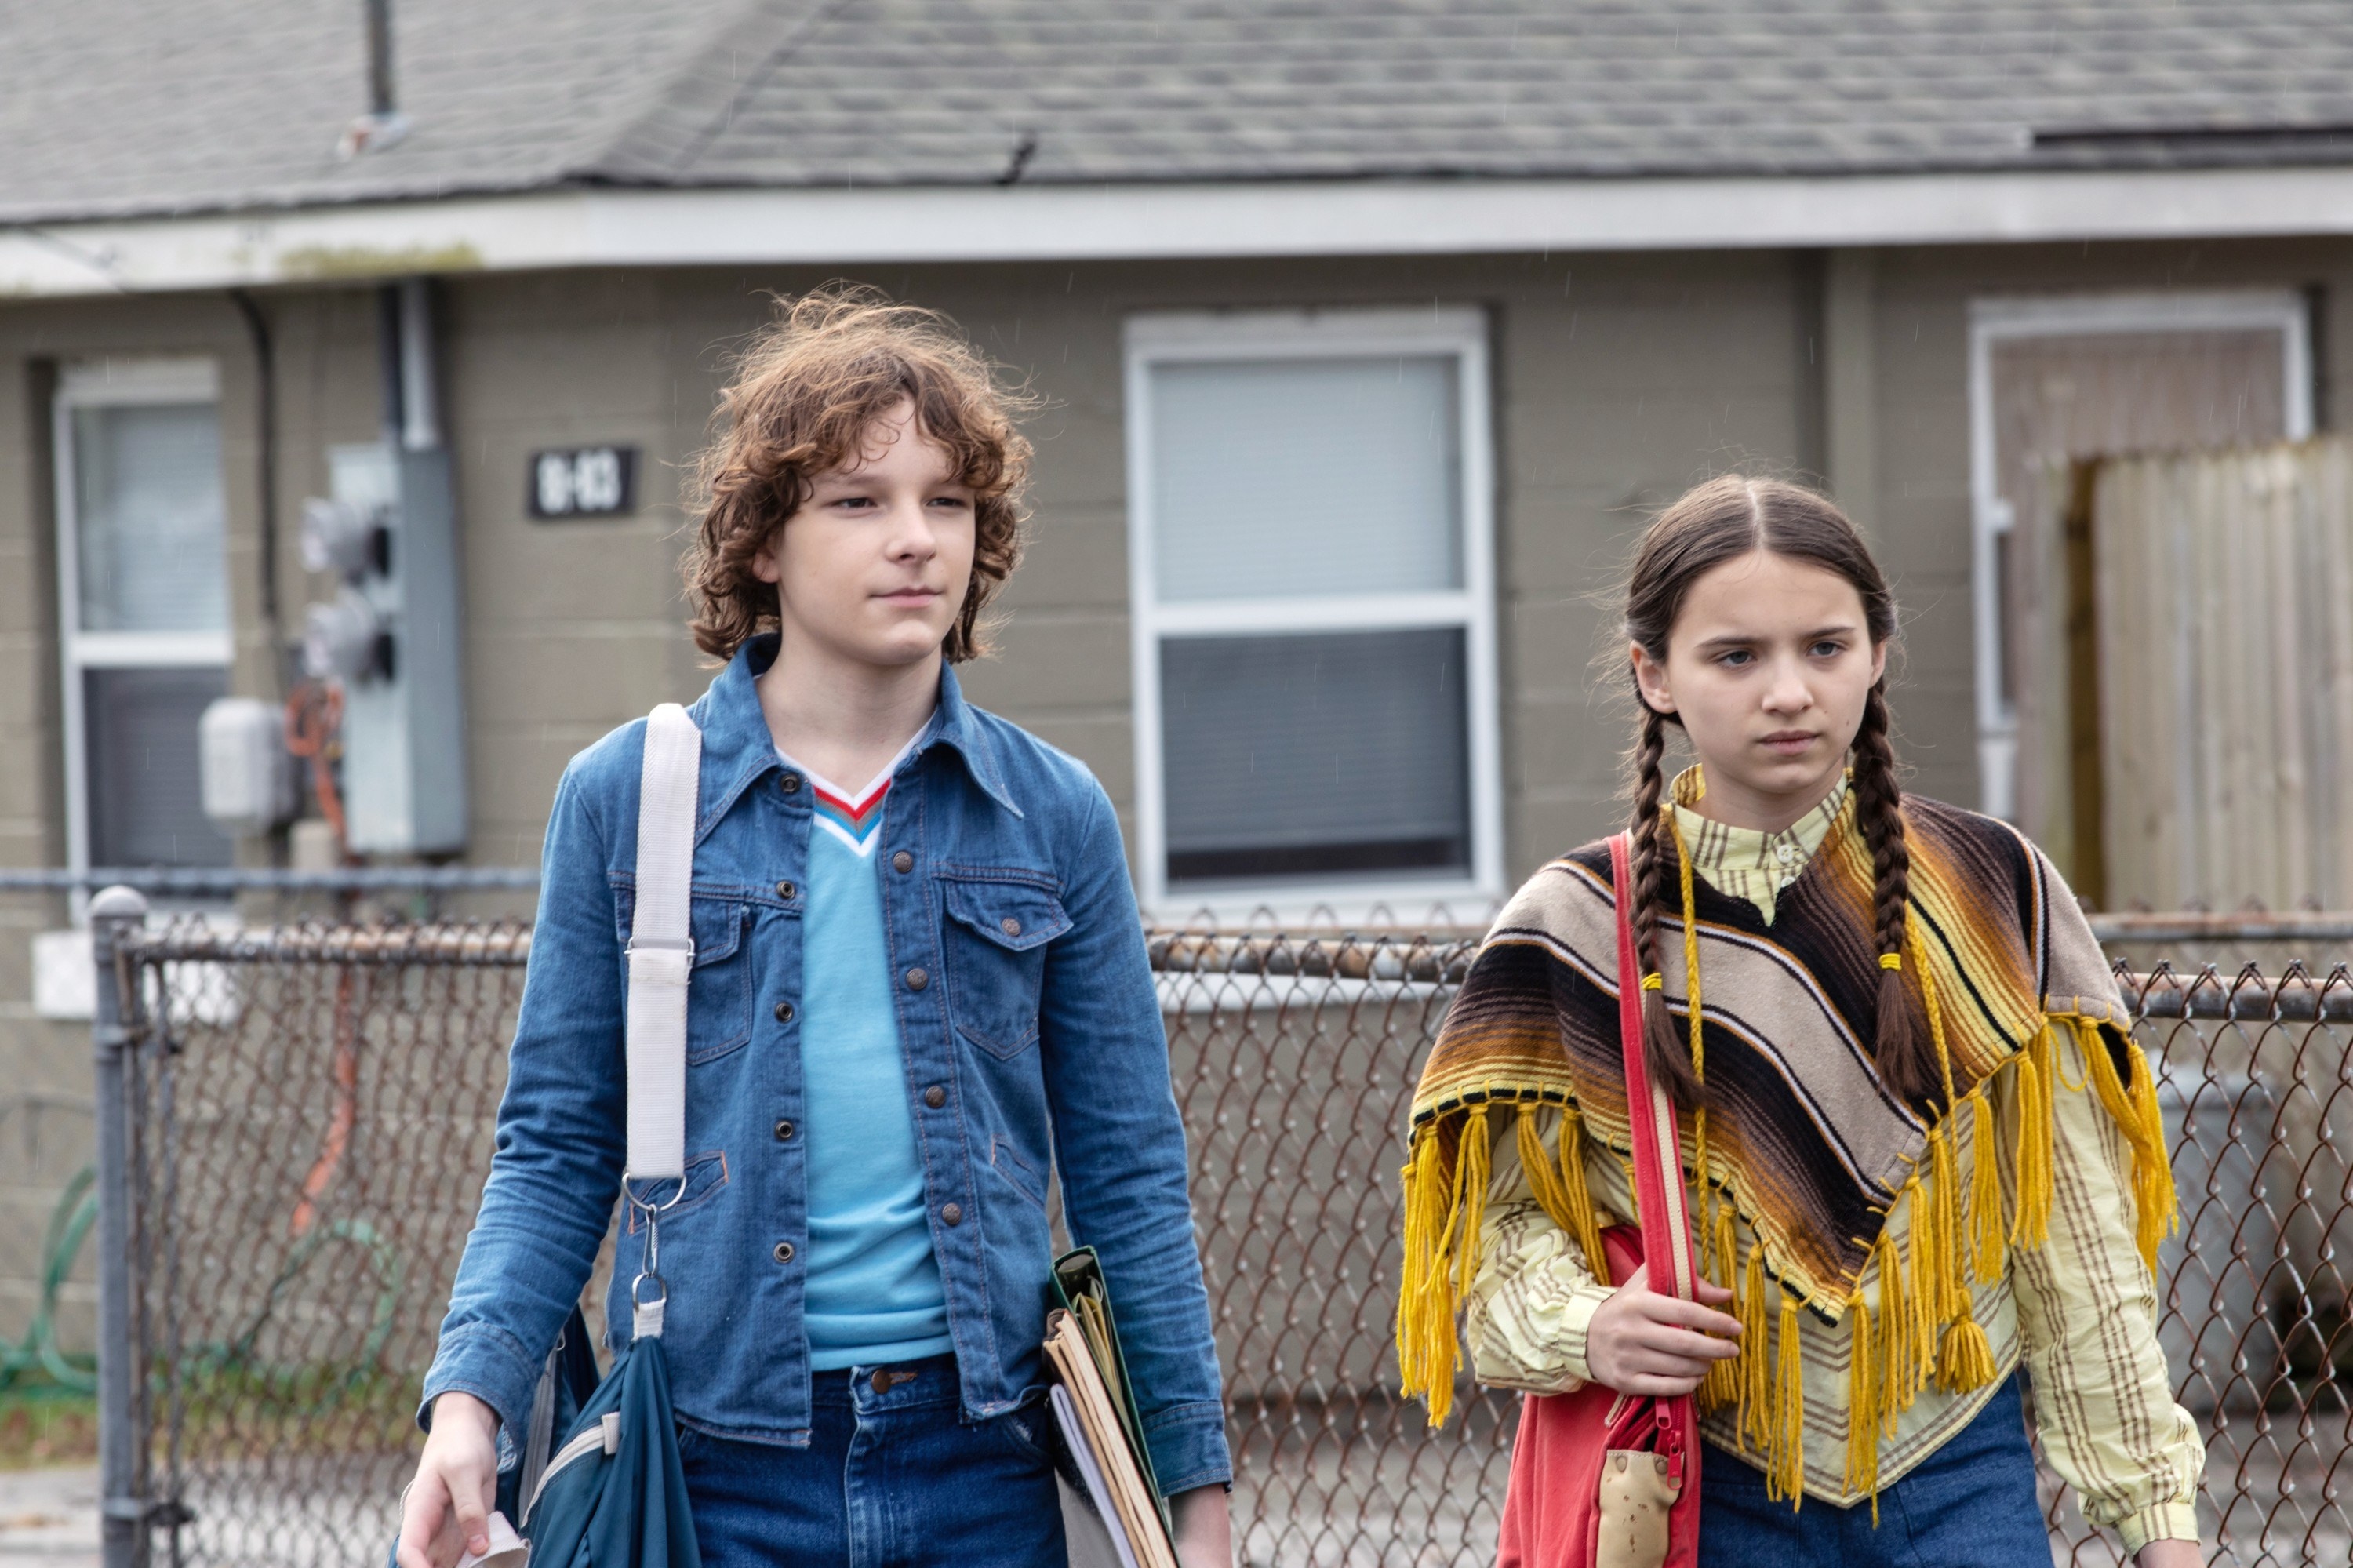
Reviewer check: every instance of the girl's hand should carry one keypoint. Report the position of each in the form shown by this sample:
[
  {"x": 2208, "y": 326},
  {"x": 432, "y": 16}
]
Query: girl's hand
[
  {"x": 1641, "y": 1343},
  {"x": 448, "y": 1506},
  {"x": 1205, "y": 1528},
  {"x": 2172, "y": 1554}
]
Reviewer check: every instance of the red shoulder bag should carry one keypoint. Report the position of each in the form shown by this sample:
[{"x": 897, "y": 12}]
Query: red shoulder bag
[{"x": 1599, "y": 1478}]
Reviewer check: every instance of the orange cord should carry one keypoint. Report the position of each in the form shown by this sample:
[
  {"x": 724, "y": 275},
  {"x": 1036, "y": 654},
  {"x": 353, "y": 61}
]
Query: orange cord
[
  {"x": 314, "y": 722},
  {"x": 314, "y": 719},
  {"x": 344, "y": 1117}
]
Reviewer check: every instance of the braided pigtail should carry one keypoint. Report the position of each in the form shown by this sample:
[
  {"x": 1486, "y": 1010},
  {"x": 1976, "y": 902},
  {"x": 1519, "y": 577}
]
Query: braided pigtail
[
  {"x": 1906, "y": 1062},
  {"x": 1664, "y": 1052}
]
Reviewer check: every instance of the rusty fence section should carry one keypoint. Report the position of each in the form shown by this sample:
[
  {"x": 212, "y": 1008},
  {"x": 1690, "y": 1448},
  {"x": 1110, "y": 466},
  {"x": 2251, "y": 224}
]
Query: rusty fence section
[{"x": 311, "y": 1119}]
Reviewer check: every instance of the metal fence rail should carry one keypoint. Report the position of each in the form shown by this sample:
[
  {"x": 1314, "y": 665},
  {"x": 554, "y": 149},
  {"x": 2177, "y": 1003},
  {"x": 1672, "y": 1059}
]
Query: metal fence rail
[{"x": 308, "y": 1118}]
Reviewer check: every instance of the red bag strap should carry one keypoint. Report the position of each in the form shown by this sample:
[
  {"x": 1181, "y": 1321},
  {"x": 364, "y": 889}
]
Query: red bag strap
[{"x": 1659, "y": 1195}]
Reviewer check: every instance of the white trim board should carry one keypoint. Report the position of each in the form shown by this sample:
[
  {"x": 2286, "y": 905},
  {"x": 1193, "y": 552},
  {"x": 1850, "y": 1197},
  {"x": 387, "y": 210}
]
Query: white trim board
[
  {"x": 1459, "y": 332},
  {"x": 1995, "y": 319},
  {"x": 1189, "y": 220}
]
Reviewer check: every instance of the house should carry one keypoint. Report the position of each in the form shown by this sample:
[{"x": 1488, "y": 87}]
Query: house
[{"x": 1370, "y": 327}]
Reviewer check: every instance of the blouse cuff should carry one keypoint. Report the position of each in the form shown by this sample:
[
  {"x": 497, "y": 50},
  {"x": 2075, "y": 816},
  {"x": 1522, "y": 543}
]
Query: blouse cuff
[
  {"x": 1576, "y": 1323},
  {"x": 2158, "y": 1522}
]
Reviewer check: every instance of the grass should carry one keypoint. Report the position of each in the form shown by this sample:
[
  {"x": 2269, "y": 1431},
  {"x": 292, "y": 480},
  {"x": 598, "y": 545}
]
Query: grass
[
  {"x": 42, "y": 1425},
  {"x": 233, "y": 1414}
]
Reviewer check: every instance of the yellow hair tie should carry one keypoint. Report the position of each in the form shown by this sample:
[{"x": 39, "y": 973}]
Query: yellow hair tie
[
  {"x": 1890, "y": 960},
  {"x": 1654, "y": 981}
]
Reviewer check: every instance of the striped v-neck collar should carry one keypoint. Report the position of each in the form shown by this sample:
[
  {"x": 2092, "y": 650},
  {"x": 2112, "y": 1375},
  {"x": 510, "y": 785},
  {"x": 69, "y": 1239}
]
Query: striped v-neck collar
[{"x": 855, "y": 816}]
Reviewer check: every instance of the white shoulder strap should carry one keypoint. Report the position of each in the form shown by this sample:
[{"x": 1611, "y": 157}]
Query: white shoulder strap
[{"x": 661, "y": 947}]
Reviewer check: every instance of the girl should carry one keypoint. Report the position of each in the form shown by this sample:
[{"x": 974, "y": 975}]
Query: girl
[
  {"x": 1922, "y": 1146},
  {"x": 910, "y": 999}
]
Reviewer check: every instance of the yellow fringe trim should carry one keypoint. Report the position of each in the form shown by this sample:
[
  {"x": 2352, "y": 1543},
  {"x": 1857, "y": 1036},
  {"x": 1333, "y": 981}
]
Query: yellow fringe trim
[
  {"x": 1923, "y": 1294},
  {"x": 1899, "y": 1372},
  {"x": 2030, "y": 1225},
  {"x": 1986, "y": 1239},
  {"x": 1756, "y": 1358},
  {"x": 1442, "y": 1258},
  {"x": 1862, "y": 1403},
  {"x": 1695, "y": 1027},
  {"x": 2133, "y": 1108},
  {"x": 1948, "y": 1268},
  {"x": 1560, "y": 1189},
  {"x": 1723, "y": 1384},
  {"x": 1425, "y": 1322},
  {"x": 1784, "y": 1467},
  {"x": 1964, "y": 1361}
]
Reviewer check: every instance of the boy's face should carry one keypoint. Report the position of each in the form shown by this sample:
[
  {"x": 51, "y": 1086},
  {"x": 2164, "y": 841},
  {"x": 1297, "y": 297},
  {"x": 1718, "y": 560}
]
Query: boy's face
[{"x": 875, "y": 564}]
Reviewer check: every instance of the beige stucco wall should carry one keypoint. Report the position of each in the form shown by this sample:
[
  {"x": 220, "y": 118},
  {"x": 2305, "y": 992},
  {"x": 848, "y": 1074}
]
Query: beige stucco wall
[{"x": 1619, "y": 380}]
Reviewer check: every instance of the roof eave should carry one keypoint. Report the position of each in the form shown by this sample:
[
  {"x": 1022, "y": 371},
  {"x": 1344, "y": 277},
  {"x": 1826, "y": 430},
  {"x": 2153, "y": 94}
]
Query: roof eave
[{"x": 584, "y": 226}]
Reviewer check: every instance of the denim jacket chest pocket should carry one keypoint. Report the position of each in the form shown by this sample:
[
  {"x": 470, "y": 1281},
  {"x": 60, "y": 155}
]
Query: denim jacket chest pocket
[
  {"x": 719, "y": 992},
  {"x": 994, "y": 943}
]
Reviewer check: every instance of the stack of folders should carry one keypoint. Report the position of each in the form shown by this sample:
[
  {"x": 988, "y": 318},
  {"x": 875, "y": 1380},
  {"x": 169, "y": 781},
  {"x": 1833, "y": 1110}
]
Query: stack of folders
[{"x": 1094, "y": 1408}]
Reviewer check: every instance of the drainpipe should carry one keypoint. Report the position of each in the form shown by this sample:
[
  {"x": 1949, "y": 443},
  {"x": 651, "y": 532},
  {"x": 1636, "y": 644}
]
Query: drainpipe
[
  {"x": 384, "y": 126},
  {"x": 265, "y": 370},
  {"x": 379, "y": 43}
]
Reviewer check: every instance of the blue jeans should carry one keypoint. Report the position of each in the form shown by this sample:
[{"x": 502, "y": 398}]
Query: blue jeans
[
  {"x": 1970, "y": 1504},
  {"x": 894, "y": 1477}
]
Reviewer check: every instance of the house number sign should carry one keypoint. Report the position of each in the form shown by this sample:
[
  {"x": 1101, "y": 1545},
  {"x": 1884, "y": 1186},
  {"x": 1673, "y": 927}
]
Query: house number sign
[{"x": 583, "y": 482}]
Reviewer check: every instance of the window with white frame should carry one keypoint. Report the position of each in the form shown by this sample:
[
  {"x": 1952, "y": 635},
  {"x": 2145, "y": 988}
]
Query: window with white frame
[
  {"x": 142, "y": 599},
  {"x": 1310, "y": 504}
]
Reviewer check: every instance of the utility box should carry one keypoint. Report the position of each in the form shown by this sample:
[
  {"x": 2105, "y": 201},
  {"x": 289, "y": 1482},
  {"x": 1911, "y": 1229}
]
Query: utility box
[
  {"x": 244, "y": 773},
  {"x": 393, "y": 638}
]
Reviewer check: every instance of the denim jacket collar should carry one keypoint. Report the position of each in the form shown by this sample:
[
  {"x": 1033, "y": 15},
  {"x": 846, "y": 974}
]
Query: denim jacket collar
[{"x": 738, "y": 751}]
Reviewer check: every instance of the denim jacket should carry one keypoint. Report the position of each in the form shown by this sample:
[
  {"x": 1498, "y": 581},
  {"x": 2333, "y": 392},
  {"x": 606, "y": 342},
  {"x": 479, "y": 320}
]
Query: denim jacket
[{"x": 1032, "y": 1040}]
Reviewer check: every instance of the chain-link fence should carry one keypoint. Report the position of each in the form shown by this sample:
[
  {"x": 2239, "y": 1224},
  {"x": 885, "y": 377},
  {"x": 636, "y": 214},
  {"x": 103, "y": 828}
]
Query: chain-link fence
[{"x": 311, "y": 1117}]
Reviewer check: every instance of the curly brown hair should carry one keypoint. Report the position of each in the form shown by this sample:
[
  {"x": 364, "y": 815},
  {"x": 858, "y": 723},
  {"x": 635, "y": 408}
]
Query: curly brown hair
[{"x": 803, "y": 396}]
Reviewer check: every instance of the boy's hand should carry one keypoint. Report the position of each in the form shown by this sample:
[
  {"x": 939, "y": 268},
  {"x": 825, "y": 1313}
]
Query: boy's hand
[
  {"x": 447, "y": 1507},
  {"x": 1641, "y": 1343}
]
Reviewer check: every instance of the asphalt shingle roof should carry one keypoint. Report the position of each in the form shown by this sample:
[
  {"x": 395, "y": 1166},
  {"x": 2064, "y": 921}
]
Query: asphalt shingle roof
[{"x": 141, "y": 106}]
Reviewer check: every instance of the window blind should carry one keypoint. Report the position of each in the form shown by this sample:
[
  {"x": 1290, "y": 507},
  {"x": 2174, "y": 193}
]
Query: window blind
[
  {"x": 1315, "y": 755},
  {"x": 1306, "y": 477}
]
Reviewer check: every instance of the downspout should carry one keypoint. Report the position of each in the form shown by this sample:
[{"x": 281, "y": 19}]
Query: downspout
[{"x": 265, "y": 399}]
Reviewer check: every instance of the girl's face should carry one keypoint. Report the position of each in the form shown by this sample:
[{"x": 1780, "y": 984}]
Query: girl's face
[
  {"x": 1768, "y": 666},
  {"x": 874, "y": 567}
]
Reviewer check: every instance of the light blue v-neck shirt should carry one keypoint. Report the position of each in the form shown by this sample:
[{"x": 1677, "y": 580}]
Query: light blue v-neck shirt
[{"x": 874, "y": 1293}]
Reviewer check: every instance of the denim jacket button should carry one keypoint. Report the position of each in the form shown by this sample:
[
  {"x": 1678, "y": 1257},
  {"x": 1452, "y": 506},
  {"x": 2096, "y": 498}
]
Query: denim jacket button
[
  {"x": 790, "y": 783},
  {"x": 784, "y": 1012},
  {"x": 952, "y": 1213},
  {"x": 785, "y": 891},
  {"x": 784, "y": 1132},
  {"x": 917, "y": 980},
  {"x": 902, "y": 861},
  {"x": 935, "y": 1097},
  {"x": 784, "y": 1252},
  {"x": 1010, "y": 926}
]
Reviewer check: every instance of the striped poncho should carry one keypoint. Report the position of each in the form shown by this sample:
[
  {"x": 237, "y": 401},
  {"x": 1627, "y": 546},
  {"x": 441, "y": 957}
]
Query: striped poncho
[{"x": 1799, "y": 1138}]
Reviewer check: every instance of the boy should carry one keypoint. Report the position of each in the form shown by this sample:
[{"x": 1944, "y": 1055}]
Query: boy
[{"x": 916, "y": 992}]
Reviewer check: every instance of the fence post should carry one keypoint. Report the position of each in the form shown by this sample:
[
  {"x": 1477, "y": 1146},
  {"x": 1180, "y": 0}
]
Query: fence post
[{"x": 114, "y": 914}]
